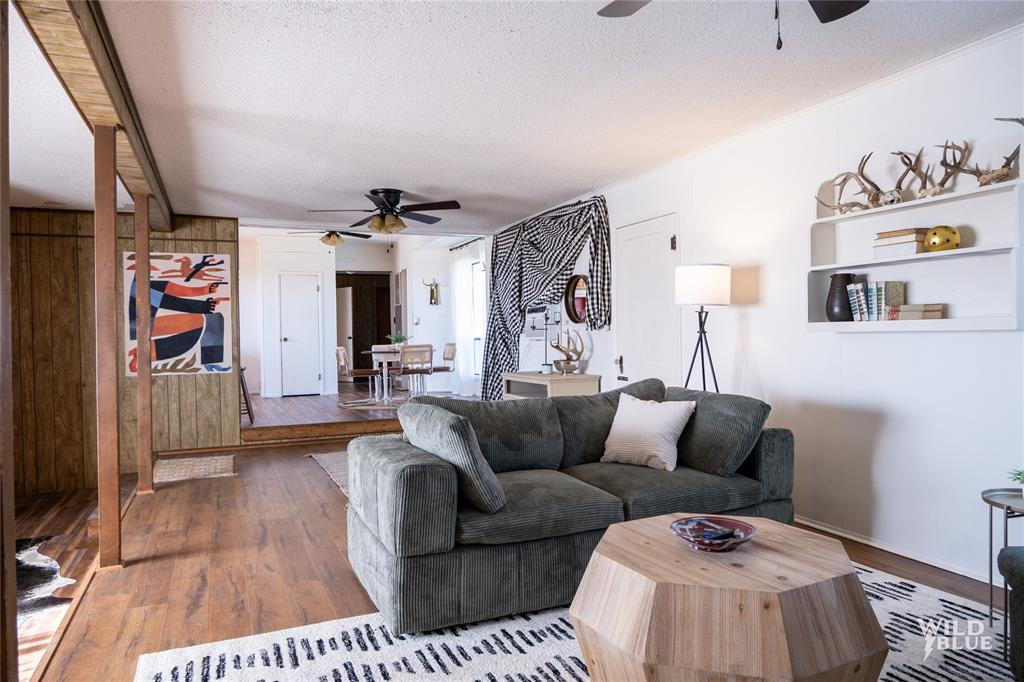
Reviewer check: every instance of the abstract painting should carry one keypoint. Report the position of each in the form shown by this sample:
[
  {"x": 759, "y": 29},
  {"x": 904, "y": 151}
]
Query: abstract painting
[{"x": 190, "y": 313}]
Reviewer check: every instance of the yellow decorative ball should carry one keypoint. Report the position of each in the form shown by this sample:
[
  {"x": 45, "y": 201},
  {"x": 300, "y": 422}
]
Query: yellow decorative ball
[{"x": 942, "y": 238}]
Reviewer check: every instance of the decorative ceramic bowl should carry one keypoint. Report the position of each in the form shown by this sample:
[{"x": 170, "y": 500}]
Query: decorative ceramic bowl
[{"x": 713, "y": 533}]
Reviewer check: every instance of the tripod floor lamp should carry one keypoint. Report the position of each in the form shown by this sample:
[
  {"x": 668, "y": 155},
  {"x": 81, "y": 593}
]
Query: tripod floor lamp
[{"x": 705, "y": 285}]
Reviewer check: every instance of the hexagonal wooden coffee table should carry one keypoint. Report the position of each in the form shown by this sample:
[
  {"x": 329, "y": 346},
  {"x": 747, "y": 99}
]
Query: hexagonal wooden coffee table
[{"x": 786, "y": 605}]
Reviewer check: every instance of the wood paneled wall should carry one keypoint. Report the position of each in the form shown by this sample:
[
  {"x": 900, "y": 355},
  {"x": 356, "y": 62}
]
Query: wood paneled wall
[{"x": 54, "y": 373}]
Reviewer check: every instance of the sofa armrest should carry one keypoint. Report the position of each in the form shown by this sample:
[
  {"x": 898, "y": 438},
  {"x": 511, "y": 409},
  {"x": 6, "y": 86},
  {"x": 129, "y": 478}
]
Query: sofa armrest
[
  {"x": 1011, "y": 566},
  {"x": 407, "y": 497},
  {"x": 771, "y": 463}
]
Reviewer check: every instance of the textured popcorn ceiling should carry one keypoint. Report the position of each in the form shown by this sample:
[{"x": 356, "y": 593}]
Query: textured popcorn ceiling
[{"x": 266, "y": 109}]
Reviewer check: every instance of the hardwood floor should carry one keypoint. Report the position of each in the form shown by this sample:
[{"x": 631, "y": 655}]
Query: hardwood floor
[
  {"x": 265, "y": 550},
  {"x": 214, "y": 559},
  {"x": 315, "y": 409},
  {"x": 70, "y": 518},
  {"x": 311, "y": 418}
]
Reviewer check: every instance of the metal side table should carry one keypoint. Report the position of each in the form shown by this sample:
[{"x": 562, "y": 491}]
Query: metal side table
[{"x": 1011, "y": 501}]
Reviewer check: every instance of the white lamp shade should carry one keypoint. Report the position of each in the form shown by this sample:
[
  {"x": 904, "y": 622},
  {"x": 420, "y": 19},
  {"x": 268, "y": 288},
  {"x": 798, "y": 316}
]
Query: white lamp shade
[{"x": 708, "y": 284}]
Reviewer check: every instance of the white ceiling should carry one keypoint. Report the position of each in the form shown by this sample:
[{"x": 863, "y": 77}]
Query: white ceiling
[
  {"x": 51, "y": 146},
  {"x": 263, "y": 110}
]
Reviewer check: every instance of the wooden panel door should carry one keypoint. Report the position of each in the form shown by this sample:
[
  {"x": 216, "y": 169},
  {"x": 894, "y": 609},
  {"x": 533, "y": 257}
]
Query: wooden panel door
[
  {"x": 647, "y": 318},
  {"x": 300, "y": 334}
]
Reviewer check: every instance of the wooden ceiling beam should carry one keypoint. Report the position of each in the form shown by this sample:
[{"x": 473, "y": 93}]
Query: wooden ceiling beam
[{"x": 74, "y": 38}]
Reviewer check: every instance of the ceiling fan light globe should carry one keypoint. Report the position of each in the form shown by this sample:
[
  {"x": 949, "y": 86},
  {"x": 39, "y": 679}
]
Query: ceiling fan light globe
[
  {"x": 377, "y": 224},
  {"x": 331, "y": 239},
  {"x": 393, "y": 224}
]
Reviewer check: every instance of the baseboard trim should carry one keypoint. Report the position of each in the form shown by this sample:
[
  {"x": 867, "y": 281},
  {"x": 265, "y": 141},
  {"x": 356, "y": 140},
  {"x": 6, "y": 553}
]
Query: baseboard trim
[{"x": 863, "y": 539}]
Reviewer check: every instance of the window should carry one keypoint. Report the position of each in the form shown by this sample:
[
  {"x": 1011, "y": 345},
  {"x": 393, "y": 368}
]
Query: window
[{"x": 479, "y": 287}]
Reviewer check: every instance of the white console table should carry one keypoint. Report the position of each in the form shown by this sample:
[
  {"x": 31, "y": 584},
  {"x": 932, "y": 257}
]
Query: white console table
[{"x": 520, "y": 385}]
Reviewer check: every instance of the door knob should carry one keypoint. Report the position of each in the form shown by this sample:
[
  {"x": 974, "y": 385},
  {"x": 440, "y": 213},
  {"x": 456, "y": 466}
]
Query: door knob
[{"x": 285, "y": 338}]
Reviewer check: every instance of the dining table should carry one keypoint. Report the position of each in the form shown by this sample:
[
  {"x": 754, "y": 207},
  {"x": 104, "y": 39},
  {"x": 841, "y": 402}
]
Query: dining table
[{"x": 383, "y": 359}]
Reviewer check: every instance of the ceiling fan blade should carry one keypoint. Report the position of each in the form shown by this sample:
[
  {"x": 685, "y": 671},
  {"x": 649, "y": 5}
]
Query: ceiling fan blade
[
  {"x": 362, "y": 222},
  {"x": 431, "y": 206},
  {"x": 622, "y": 8},
  {"x": 420, "y": 217},
  {"x": 357, "y": 235},
  {"x": 340, "y": 210},
  {"x": 377, "y": 201},
  {"x": 830, "y": 10},
  {"x": 309, "y": 232}
]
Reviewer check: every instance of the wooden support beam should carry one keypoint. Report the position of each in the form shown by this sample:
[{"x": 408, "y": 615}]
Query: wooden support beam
[
  {"x": 76, "y": 41},
  {"x": 143, "y": 385},
  {"x": 108, "y": 466},
  {"x": 8, "y": 584}
]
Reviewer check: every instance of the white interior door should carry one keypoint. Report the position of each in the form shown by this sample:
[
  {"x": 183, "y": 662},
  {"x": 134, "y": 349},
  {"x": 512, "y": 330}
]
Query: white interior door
[
  {"x": 300, "y": 334},
  {"x": 647, "y": 318},
  {"x": 344, "y": 301}
]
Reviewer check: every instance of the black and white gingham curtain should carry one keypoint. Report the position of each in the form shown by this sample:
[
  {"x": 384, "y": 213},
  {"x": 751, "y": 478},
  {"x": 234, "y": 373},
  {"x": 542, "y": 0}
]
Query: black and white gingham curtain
[{"x": 531, "y": 264}]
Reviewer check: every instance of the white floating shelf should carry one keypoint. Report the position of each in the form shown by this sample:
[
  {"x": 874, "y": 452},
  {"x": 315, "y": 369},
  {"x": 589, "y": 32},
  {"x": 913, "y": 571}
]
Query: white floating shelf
[
  {"x": 942, "y": 198},
  {"x": 929, "y": 255},
  {"x": 945, "y": 325}
]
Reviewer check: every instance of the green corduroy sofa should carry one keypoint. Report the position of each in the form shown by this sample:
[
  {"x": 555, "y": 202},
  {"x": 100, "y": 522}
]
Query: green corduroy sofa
[{"x": 429, "y": 560}]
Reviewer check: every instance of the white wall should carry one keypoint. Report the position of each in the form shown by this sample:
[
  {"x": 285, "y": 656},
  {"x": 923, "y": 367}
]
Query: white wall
[
  {"x": 249, "y": 310},
  {"x": 359, "y": 255},
  {"x": 425, "y": 259},
  {"x": 289, "y": 254},
  {"x": 896, "y": 434}
]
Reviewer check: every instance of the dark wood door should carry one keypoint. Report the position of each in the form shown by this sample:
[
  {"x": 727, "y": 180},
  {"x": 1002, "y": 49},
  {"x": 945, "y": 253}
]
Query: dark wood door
[
  {"x": 371, "y": 323},
  {"x": 383, "y": 316}
]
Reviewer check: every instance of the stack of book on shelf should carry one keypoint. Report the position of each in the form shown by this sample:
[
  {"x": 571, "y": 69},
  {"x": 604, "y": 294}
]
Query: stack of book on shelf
[
  {"x": 876, "y": 301},
  {"x": 899, "y": 242}
]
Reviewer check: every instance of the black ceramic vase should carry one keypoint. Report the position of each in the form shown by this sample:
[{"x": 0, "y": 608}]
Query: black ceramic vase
[{"x": 837, "y": 305}]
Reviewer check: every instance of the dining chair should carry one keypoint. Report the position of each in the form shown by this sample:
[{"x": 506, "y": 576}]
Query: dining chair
[
  {"x": 415, "y": 360},
  {"x": 345, "y": 369},
  {"x": 448, "y": 357}
]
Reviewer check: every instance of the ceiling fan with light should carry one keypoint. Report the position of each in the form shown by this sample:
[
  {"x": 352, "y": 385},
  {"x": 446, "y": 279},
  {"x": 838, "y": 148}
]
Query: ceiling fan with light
[
  {"x": 388, "y": 212},
  {"x": 333, "y": 237},
  {"x": 826, "y": 10}
]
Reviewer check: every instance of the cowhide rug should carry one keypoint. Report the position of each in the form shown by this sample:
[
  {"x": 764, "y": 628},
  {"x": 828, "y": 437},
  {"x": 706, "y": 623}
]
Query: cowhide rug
[{"x": 38, "y": 578}]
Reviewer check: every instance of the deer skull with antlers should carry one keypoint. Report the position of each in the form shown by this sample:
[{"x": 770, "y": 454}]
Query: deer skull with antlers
[{"x": 572, "y": 350}]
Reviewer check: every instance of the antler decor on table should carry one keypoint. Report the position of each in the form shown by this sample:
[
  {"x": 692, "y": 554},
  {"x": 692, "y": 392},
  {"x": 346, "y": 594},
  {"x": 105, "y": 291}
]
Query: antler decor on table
[{"x": 572, "y": 350}]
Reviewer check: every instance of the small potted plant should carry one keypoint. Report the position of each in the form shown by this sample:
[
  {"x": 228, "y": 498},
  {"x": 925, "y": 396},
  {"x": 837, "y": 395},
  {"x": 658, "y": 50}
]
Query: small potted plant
[
  {"x": 1017, "y": 476},
  {"x": 397, "y": 338}
]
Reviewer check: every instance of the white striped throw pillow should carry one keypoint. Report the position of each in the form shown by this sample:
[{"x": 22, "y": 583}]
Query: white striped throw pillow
[{"x": 646, "y": 433}]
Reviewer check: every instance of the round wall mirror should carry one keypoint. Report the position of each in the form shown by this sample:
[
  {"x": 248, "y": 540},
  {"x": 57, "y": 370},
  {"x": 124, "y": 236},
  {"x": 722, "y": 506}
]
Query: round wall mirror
[{"x": 576, "y": 298}]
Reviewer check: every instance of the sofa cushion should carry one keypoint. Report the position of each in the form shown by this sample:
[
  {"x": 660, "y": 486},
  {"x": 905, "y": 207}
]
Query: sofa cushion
[
  {"x": 587, "y": 419},
  {"x": 649, "y": 492},
  {"x": 513, "y": 434},
  {"x": 541, "y": 504},
  {"x": 722, "y": 431},
  {"x": 451, "y": 438}
]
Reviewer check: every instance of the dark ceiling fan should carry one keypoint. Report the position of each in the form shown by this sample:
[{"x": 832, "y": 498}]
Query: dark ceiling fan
[
  {"x": 826, "y": 10},
  {"x": 388, "y": 212},
  {"x": 333, "y": 237}
]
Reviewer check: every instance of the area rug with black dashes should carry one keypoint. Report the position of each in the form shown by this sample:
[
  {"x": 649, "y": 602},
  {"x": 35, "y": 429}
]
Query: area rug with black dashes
[{"x": 932, "y": 635}]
